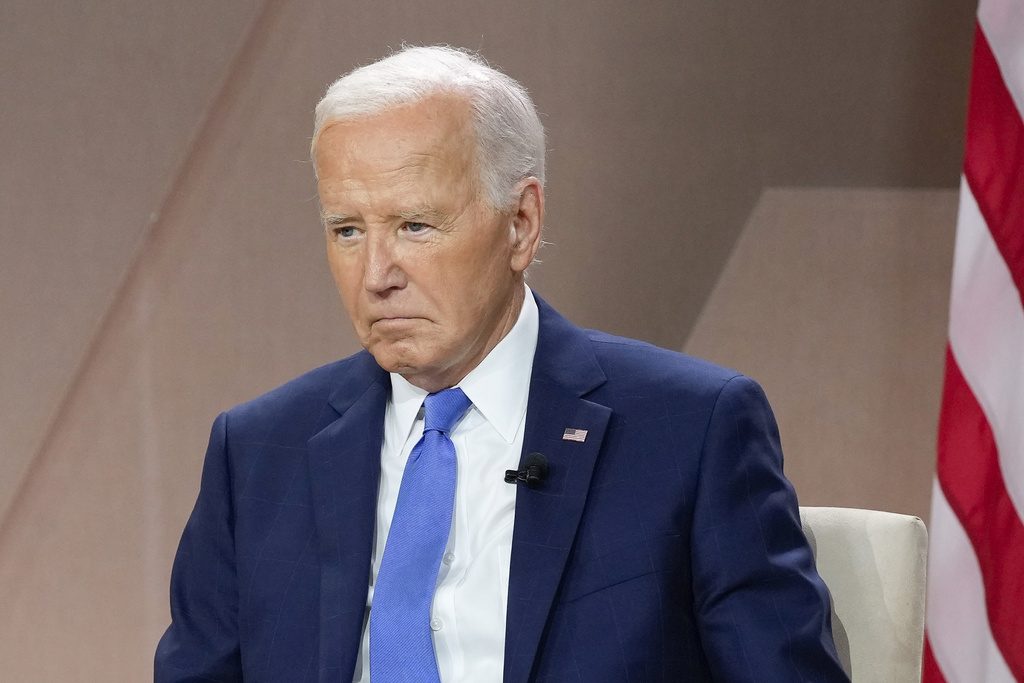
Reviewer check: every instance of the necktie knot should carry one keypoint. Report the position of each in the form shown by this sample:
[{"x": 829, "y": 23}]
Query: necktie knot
[{"x": 443, "y": 409}]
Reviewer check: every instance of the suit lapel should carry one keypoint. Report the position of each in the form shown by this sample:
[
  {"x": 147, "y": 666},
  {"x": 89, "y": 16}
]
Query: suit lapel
[
  {"x": 547, "y": 518},
  {"x": 344, "y": 464}
]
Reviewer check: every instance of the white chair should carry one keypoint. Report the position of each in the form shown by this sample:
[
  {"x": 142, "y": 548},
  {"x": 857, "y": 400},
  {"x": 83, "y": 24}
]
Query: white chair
[{"x": 874, "y": 566}]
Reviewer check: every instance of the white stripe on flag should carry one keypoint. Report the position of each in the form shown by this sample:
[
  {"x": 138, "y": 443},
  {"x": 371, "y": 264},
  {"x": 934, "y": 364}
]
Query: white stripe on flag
[{"x": 957, "y": 621}]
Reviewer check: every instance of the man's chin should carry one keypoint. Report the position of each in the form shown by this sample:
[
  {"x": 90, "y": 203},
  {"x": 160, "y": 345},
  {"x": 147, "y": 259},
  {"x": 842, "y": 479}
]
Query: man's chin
[
  {"x": 417, "y": 370},
  {"x": 392, "y": 357}
]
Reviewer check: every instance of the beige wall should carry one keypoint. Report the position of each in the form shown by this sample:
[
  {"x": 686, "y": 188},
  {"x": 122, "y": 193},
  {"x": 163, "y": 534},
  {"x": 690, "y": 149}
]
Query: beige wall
[
  {"x": 160, "y": 258},
  {"x": 835, "y": 300}
]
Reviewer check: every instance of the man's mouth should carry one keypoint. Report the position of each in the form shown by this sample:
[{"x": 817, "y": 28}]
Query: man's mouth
[{"x": 394, "y": 320}]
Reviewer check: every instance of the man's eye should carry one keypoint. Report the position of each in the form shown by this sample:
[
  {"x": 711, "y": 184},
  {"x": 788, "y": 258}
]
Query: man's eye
[
  {"x": 416, "y": 227},
  {"x": 345, "y": 231}
]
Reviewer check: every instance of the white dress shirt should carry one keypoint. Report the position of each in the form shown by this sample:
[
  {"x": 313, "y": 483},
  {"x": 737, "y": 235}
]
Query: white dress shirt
[{"x": 471, "y": 598}]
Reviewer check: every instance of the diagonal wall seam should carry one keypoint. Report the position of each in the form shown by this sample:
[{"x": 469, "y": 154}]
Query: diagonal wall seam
[{"x": 210, "y": 124}]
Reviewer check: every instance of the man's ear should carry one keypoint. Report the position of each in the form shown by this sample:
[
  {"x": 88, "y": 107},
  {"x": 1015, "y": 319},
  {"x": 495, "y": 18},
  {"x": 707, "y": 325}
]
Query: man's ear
[{"x": 527, "y": 223}]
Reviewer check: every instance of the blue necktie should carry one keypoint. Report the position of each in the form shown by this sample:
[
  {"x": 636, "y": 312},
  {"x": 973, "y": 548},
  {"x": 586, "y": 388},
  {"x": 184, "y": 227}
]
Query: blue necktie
[{"x": 401, "y": 648}]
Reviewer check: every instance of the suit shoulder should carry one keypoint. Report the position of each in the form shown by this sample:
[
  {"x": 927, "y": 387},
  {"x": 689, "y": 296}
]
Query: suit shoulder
[
  {"x": 644, "y": 365},
  {"x": 304, "y": 397}
]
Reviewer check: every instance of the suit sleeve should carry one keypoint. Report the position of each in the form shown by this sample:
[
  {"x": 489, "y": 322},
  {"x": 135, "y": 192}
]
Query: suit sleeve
[
  {"x": 202, "y": 643},
  {"x": 764, "y": 612}
]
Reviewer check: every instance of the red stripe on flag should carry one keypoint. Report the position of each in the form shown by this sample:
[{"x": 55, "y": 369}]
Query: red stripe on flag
[
  {"x": 994, "y": 159},
  {"x": 970, "y": 476},
  {"x": 930, "y": 671}
]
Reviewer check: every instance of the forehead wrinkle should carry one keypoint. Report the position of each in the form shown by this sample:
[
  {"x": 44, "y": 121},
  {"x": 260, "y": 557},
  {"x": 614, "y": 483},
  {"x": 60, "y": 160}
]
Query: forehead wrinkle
[{"x": 393, "y": 193}]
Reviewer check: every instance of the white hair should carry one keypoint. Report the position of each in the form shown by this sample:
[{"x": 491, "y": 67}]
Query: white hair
[{"x": 510, "y": 137}]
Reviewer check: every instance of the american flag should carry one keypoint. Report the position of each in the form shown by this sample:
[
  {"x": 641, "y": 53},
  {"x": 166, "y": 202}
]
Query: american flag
[
  {"x": 975, "y": 613},
  {"x": 571, "y": 434}
]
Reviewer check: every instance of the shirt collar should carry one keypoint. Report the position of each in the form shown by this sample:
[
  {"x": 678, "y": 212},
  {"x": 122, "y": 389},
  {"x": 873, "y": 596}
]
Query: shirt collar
[{"x": 499, "y": 386}]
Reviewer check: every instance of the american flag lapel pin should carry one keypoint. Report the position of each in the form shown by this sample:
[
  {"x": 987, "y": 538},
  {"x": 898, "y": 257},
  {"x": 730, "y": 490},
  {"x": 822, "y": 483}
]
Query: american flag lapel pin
[{"x": 571, "y": 434}]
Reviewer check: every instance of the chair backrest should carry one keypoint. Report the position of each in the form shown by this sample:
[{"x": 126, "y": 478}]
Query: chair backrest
[{"x": 874, "y": 566}]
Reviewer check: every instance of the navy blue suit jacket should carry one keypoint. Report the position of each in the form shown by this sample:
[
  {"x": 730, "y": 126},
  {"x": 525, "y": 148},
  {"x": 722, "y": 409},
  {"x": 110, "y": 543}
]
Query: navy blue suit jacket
[{"x": 665, "y": 547}]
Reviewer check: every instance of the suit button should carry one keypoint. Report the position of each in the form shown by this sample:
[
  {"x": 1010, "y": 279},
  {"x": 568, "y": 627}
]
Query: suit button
[{"x": 435, "y": 623}]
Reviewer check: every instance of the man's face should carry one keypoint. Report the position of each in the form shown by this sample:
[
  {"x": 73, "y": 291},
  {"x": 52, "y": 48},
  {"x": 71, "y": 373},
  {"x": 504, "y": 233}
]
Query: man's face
[{"x": 429, "y": 273}]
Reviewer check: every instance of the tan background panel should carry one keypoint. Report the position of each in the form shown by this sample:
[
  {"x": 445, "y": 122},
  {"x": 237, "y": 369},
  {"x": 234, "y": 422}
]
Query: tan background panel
[
  {"x": 100, "y": 102},
  {"x": 223, "y": 302},
  {"x": 835, "y": 300},
  {"x": 161, "y": 261}
]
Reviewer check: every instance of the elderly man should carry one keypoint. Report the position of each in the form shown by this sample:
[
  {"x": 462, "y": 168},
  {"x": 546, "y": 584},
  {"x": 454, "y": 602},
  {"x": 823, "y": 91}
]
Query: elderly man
[{"x": 487, "y": 492}]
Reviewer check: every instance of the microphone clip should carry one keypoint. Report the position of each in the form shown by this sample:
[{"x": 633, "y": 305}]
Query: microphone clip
[{"x": 533, "y": 472}]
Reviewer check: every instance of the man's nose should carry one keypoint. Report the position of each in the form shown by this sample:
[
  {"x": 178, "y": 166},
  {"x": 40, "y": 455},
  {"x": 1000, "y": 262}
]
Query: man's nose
[{"x": 382, "y": 271}]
